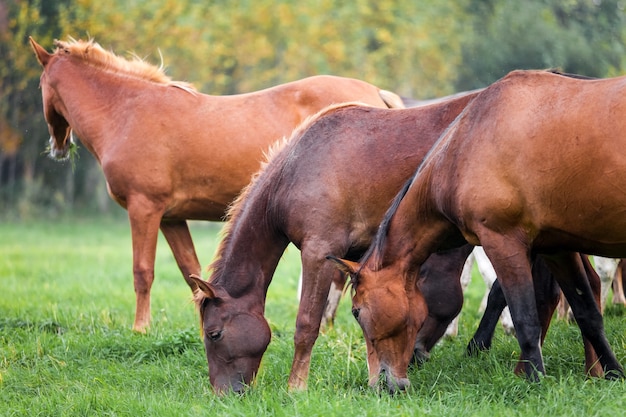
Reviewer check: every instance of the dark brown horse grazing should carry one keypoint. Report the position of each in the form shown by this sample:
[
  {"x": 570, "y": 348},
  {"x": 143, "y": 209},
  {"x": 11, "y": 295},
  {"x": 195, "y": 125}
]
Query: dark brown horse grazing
[
  {"x": 523, "y": 170},
  {"x": 169, "y": 153},
  {"x": 326, "y": 192}
]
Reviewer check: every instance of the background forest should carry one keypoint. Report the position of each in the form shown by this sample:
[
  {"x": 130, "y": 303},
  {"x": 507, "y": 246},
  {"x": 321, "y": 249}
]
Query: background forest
[{"x": 420, "y": 49}]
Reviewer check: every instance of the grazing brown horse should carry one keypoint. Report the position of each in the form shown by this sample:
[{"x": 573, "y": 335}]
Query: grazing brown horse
[
  {"x": 523, "y": 170},
  {"x": 326, "y": 191},
  {"x": 169, "y": 153}
]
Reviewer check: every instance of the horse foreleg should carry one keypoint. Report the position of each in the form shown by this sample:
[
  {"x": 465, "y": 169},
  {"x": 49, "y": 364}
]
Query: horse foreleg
[
  {"x": 144, "y": 228},
  {"x": 333, "y": 299},
  {"x": 489, "y": 276},
  {"x": 179, "y": 238},
  {"x": 511, "y": 261},
  {"x": 484, "y": 333},
  {"x": 317, "y": 276},
  {"x": 547, "y": 294},
  {"x": 332, "y": 302}
]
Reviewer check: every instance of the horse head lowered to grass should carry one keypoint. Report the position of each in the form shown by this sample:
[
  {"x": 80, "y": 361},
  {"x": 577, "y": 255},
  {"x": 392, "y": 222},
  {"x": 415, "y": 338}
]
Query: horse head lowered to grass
[
  {"x": 169, "y": 153},
  {"x": 326, "y": 191},
  {"x": 530, "y": 167}
]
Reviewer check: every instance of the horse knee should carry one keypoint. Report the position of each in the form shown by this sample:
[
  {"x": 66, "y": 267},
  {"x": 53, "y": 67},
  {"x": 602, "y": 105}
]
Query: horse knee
[
  {"x": 143, "y": 278},
  {"x": 529, "y": 338},
  {"x": 306, "y": 333}
]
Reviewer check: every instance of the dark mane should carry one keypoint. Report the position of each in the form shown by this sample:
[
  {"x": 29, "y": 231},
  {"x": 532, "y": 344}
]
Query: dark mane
[
  {"x": 378, "y": 243},
  {"x": 375, "y": 251},
  {"x": 376, "y": 248},
  {"x": 569, "y": 75}
]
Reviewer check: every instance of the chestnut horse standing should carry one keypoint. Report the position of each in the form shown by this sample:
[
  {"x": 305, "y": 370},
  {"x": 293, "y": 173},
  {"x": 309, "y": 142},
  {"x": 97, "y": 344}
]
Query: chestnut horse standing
[
  {"x": 326, "y": 191},
  {"x": 169, "y": 153},
  {"x": 529, "y": 167}
]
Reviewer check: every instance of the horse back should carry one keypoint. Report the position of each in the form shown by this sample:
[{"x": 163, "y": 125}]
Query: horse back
[
  {"x": 538, "y": 151},
  {"x": 340, "y": 173}
]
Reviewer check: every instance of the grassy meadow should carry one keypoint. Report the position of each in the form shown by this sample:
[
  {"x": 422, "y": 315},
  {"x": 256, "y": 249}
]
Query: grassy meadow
[{"x": 66, "y": 348}]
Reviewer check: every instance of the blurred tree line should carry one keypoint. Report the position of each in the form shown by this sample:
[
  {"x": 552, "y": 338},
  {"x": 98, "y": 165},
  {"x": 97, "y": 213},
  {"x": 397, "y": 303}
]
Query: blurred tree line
[{"x": 417, "y": 49}]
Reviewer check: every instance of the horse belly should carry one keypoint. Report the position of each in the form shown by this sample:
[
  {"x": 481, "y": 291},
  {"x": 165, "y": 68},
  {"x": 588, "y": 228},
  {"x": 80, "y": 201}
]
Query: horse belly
[{"x": 196, "y": 209}]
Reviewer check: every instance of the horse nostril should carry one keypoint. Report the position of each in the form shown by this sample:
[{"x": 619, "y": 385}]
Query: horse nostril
[
  {"x": 356, "y": 312},
  {"x": 239, "y": 389}
]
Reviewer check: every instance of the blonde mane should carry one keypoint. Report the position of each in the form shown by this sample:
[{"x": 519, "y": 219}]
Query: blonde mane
[{"x": 91, "y": 53}]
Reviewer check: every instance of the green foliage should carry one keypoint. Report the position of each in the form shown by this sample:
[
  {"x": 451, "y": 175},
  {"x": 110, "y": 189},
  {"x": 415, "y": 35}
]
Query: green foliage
[
  {"x": 577, "y": 36},
  {"x": 66, "y": 347},
  {"x": 417, "y": 49}
]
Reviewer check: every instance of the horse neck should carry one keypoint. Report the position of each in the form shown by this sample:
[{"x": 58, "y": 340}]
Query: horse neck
[
  {"x": 248, "y": 255},
  {"x": 92, "y": 102},
  {"x": 414, "y": 230}
]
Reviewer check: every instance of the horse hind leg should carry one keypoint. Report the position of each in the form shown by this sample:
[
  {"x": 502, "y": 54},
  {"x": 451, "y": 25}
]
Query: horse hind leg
[
  {"x": 178, "y": 237},
  {"x": 563, "y": 310},
  {"x": 511, "y": 261},
  {"x": 606, "y": 269},
  {"x": 619, "y": 296},
  {"x": 332, "y": 301},
  {"x": 581, "y": 287}
]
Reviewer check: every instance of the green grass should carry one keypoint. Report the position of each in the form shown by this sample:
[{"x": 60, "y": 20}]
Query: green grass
[{"x": 66, "y": 348}]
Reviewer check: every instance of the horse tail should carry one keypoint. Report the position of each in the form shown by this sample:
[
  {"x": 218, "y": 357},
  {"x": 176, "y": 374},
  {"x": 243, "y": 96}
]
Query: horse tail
[{"x": 392, "y": 100}]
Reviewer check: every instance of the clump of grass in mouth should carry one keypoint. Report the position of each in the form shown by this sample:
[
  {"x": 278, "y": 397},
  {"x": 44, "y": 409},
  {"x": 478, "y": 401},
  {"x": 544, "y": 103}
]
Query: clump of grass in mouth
[{"x": 73, "y": 154}]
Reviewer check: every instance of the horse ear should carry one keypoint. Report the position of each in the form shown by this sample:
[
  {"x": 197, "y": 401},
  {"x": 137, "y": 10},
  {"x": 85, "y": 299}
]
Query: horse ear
[
  {"x": 42, "y": 55},
  {"x": 347, "y": 267},
  {"x": 202, "y": 286},
  {"x": 344, "y": 265}
]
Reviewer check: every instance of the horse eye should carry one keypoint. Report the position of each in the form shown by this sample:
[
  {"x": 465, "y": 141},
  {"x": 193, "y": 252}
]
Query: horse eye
[
  {"x": 215, "y": 335},
  {"x": 355, "y": 313}
]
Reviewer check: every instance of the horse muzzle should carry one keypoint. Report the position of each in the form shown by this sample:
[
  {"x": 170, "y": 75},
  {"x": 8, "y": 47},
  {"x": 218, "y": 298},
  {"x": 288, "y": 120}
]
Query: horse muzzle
[
  {"x": 234, "y": 386},
  {"x": 386, "y": 379},
  {"x": 60, "y": 154}
]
